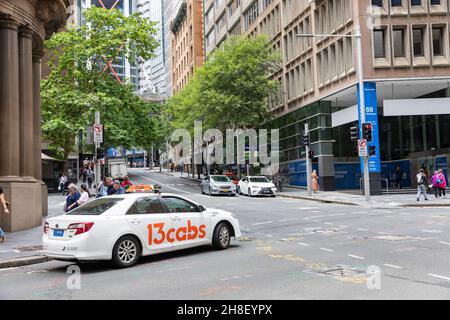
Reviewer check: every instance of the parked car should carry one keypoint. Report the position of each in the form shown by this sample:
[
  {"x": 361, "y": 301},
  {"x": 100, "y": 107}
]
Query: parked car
[{"x": 217, "y": 184}]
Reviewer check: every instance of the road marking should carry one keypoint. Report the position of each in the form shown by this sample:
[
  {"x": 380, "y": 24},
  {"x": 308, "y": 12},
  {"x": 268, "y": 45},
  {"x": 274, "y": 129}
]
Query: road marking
[
  {"x": 303, "y": 244},
  {"x": 313, "y": 217},
  {"x": 260, "y": 223},
  {"x": 329, "y": 223},
  {"x": 432, "y": 231},
  {"x": 386, "y": 233},
  {"x": 392, "y": 266},
  {"x": 356, "y": 257},
  {"x": 287, "y": 220},
  {"x": 337, "y": 214},
  {"x": 342, "y": 226},
  {"x": 268, "y": 235},
  {"x": 438, "y": 276},
  {"x": 162, "y": 184},
  {"x": 361, "y": 229},
  {"x": 326, "y": 249},
  {"x": 442, "y": 242}
]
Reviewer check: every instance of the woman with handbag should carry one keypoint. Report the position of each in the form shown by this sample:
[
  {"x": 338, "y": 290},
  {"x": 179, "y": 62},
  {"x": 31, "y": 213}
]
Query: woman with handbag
[{"x": 3, "y": 204}]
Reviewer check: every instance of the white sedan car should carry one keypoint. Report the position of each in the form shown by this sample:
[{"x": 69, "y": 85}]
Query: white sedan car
[
  {"x": 123, "y": 228},
  {"x": 257, "y": 186}
]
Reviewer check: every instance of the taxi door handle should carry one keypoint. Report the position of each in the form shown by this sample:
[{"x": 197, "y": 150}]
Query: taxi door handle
[
  {"x": 135, "y": 221},
  {"x": 176, "y": 219}
]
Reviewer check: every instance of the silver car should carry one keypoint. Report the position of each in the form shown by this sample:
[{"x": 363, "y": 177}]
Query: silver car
[{"x": 217, "y": 184}]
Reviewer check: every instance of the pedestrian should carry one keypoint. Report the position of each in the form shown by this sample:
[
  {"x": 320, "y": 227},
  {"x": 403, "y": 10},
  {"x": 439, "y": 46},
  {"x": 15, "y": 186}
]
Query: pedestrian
[
  {"x": 398, "y": 178},
  {"x": 422, "y": 183},
  {"x": 62, "y": 182},
  {"x": 434, "y": 184},
  {"x": 90, "y": 177},
  {"x": 117, "y": 188},
  {"x": 85, "y": 195},
  {"x": 126, "y": 183},
  {"x": 441, "y": 183},
  {"x": 3, "y": 204},
  {"x": 102, "y": 189},
  {"x": 72, "y": 198},
  {"x": 181, "y": 167},
  {"x": 315, "y": 181},
  {"x": 84, "y": 173}
]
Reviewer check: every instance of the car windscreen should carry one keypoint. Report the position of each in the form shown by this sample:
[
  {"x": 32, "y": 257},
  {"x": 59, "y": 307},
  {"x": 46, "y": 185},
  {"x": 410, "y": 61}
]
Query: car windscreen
[
  {"x": 95, "y": 207},
  {"x": 259, "y": 179},
  {"x": 220, "y": 179}
]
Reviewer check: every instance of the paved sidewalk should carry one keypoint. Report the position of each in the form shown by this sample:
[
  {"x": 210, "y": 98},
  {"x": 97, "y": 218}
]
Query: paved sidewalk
[{"x": 24, "y": 247}]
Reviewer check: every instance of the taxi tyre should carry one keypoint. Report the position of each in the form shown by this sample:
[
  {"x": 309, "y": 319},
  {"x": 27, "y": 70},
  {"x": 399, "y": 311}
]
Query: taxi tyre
[
  {"x": 126, "y": 241},
  {"x": 210, "y": 192},
  {"x": 222, "y": 236},
  {"x": 249, "y": 193}
]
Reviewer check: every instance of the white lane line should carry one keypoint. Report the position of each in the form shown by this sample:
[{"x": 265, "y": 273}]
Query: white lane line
[
  {"x": 356, "y": 257},
  {"x": 361, "y": 229},
  {"x": 162, "y": 184},
  {"x": 432, "y": 231},
  {"x": 337, "y": 214},
  {"x": 438, "y": 276},
  {"x": 329, "y": 223},
  {"x": 313, "y": 217},
  {"x": 386, "y": 233},
  {"x": 287, "y": 220},
  {"x": 326, "y": 249},
  {"x": 260, "y": 223},
  {"x": 442, "y": 242},
  {"x": 343, "y": 226},
  {"x": 392, "y": 266},
  {"x": 269, "y": 236},
  {"x": 303, "y": 244}
]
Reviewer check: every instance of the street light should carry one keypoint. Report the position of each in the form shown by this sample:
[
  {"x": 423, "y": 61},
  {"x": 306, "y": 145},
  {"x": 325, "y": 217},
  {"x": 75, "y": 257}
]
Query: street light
[{"x": 362, "y": 102}]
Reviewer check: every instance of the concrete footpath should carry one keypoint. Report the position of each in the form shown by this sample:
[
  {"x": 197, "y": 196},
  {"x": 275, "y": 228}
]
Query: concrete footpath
[{"x": 346, "y": 198}]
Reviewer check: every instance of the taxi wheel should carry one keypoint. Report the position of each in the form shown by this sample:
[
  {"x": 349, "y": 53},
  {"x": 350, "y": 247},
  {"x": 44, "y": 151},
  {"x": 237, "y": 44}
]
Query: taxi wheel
[
  {"x": 222, "y": 236},
  {"x": 249, "y": 193},
  {"x": 210, "y": 192},
  {"x": 126, "y": 252}
]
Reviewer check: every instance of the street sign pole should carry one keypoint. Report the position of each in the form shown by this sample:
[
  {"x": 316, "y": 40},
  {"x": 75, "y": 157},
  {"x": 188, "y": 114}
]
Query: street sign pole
[
  {"x": 362, "y": 105},
  {"x": 308, "y": 164},
  {"x": 97, "y": 145}
]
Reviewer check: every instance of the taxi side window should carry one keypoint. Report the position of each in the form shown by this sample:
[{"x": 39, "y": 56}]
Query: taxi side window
[
  {"x": 176, "y": 205},
  {"x": 147, "y": 206}
]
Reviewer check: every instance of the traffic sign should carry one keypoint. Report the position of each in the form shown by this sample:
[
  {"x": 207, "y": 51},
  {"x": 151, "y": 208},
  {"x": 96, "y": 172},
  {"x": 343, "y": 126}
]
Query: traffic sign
[
  {"x": 362, "y": 146},
  {"x": 98, "y": 133}
]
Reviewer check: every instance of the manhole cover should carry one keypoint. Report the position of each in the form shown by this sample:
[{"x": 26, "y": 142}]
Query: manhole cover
[{"x": 343, "y": 271}]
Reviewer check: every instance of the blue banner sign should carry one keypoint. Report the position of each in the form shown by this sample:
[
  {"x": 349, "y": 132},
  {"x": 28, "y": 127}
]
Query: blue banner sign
[{"x": 371, "y": 110}]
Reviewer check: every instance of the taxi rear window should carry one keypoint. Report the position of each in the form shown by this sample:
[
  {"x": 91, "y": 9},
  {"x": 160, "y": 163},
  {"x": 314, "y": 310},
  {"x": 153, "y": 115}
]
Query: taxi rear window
[{"x": 95, "y": 207}]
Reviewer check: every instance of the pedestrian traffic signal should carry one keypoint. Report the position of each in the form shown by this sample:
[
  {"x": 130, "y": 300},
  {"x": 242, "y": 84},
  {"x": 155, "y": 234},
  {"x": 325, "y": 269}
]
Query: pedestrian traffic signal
[
  {"x": 372, "y": 151},
  {"x": 100, "y": 153},
  {"x": 311, "y": 154},
  {"x": 305, "y": 137},
  {"x": 354, "y": 136},
  {"x": 367, "y": 131}
]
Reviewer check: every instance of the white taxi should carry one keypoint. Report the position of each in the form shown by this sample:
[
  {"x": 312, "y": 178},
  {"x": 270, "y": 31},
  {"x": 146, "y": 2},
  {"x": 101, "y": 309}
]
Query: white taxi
[{"x": 123, "y": 228}]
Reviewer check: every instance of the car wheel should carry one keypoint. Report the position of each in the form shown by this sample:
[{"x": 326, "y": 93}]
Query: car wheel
[
  {"x": 126, "y": 252},
  {"x": 222, "y": 236},
  {"x": 210, "y": 192},
  {"x": 249, "y": 192},
  {"x": 238, "y": 190}
]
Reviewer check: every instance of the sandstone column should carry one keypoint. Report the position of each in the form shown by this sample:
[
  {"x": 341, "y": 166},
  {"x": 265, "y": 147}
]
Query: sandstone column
[
  {"x": 9, "y": 99},
  {"x": 37, "y": 56},
  {"x": 27, "y": 156}
]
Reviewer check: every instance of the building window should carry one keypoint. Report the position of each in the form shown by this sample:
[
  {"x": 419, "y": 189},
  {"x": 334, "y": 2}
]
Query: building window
[
  {"x": 435, "y": 2},
  {"x": 251, "y": 15},
  {"x": 416, "y": 2},
  {"x": 399, "y": 43},
  {"x": 438, "y": 41},
  {"x": 418, "y": 45},
  {"x": 396, "y": 3},
  {"x": 377, "y": 3},
  {"x": 379, "y": 43}
]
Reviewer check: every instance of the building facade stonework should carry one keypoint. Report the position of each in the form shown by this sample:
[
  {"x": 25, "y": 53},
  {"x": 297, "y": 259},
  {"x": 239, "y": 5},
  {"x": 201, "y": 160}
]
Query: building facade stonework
[{"x": 24, "y": 26}]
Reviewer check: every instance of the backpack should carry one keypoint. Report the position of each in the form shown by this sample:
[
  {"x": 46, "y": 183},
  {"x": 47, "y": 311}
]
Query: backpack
[
  {"x": 438, "y": 181},
  {"x": 419, "y": 178}
]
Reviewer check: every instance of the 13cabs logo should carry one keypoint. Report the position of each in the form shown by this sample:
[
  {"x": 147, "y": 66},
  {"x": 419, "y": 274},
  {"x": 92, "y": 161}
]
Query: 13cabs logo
[{"x": 181, "y": 234}]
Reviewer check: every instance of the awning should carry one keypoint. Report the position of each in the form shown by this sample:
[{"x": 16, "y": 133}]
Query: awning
[{"x": 46, "y": 157}]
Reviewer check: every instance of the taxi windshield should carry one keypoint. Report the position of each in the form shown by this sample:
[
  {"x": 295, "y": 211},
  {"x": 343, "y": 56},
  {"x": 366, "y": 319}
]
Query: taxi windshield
[
  {"x": 95, "y": 207},
  {"x": 220, "y": 178},
  {"x": 259, "y": 179}
]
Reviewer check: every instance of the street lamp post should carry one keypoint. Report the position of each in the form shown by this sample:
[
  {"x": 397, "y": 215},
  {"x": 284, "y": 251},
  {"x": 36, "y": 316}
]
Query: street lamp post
[{"x": 362, "y": 102}]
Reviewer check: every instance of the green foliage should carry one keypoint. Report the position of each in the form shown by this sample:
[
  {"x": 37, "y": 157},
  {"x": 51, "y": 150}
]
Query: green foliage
[
  {"x": 77, "y": 87},
  {"x": 231, "y": 89}
]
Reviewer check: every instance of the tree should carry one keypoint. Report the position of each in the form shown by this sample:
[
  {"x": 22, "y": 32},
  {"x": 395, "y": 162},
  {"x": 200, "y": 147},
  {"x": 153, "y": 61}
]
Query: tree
[
  {"x": 232, "y": 88},
  {"x": 80, "y": 82}
]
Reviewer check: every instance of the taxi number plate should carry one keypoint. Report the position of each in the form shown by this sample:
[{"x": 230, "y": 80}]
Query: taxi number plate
[{"x": 58, "y": 233}]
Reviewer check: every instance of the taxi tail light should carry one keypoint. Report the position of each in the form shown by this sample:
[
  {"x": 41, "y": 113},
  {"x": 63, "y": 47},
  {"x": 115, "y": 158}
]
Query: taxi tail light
[
  {"x": 46, "y": 227},
  {"x": 81, "y": 227}
]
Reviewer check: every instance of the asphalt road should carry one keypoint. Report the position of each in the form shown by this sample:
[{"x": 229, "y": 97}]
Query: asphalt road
[{"x": 290, "y": 249}]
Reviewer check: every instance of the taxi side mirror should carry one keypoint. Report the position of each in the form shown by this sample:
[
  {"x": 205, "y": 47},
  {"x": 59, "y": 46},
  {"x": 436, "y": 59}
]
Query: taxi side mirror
[{"x": 201, "y": 208}]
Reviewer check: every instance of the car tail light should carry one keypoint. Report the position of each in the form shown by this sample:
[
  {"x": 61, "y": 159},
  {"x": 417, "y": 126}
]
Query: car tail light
[
  {"x": 81, "y": 227},
  {"x": 46, "y": 227}
]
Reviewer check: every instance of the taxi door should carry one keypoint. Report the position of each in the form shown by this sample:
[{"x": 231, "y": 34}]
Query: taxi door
[
  {"x": 192, "y": 227},
  {"x": 150, "y": 220}
]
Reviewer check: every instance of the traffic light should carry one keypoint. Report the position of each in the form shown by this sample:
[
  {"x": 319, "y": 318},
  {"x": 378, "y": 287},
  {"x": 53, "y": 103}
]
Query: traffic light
[
  {"x": 367, "y": 131},
  {"x": 306, "y": 141},
  {"x": 100, "y": 153},
  {"x": 354, "y": 136},
  {"x": 311, "y": 154},
  {"x": 372, "y": 151}
]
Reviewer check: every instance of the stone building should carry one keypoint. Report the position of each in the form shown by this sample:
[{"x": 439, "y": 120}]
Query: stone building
[{"x": 24, "y": 26}]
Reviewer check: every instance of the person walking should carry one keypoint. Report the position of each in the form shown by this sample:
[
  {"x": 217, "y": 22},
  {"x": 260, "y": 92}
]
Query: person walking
[
  {"x": 3, "y": 204},
  {"x": 434, "y": 184},
  {"x": 315, "y": 181},
  {"x": 85, "y": 195},
  {"x": 441, "y": 183},
  {"x": 398, "y": 178},
  {"x": 72, "y": 198},
  {"x": 422, "y": 182},
  {"x": 62, "y": 183},
  {"x": 90, "y": 177},
  {"x": 126, "y": 183}
]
